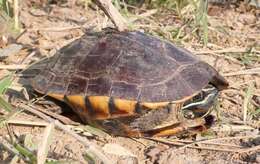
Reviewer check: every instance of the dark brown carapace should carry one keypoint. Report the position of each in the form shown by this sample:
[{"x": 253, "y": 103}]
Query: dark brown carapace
[{"x": 127, "y": 83}]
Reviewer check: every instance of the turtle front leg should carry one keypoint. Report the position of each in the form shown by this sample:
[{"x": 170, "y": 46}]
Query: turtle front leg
[
  {"x": 164, "y": 121},
  {"x": 169, "y": 120},
  {"x": 197, "y": 125}
]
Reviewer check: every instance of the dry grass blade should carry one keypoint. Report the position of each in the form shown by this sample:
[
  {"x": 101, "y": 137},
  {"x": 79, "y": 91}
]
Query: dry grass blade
[
  {"x": 55, "y": 29},
  {"x": 27, "y": 123},
  {"x": 141, "y": 16},
  {"x": 218, "y": 139},
  {"x": 230, "y": 127},
  {"x": 16, "y": 14},
  {"x": 209, "y": 141},
  {"x": 13, "y": 67},
  {"x": 247, "y": 99},
  {"x": 35, "y": 112},
  {"x": 28, "y": 57},
  {"x": 230, "y": 58},
  {"x": 202, "y": 19},
  {"x": 192, "y": 146},
  {"x": 45, "y": 144},
  {"x": 61, "y": 118},
  {"x": 227, "y": 50},
  {"x": 244, "y": 72}
]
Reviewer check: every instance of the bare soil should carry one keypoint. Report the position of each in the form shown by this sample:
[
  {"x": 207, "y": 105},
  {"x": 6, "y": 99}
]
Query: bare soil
[{"x": 233, "y": 49}]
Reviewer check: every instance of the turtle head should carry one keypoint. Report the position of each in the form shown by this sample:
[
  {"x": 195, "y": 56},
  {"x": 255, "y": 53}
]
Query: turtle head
[{"x": 201, "y": 104}]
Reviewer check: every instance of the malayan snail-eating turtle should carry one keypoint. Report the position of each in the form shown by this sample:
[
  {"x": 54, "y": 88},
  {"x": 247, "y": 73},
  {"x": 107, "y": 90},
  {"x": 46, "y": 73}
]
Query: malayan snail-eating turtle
[{"x": 131, "y": 84}]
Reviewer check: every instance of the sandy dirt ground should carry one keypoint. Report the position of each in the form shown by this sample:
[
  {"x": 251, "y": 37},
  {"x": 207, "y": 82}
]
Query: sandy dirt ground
[{"x": 233, "y": 49}]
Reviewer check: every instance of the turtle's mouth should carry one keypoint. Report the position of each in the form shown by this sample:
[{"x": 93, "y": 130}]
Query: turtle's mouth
[{"x": 201, "y": 104}]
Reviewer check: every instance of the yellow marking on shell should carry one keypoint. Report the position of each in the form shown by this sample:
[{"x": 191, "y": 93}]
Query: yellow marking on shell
[
  {"x": 127, "y": 106},
  {"x": 157, "y": 105},
  {"x": 76, "y": 101},
  {"x": 154, "y": 105},
  {"x": 100, "y": 105},
  {"x": 56, "y": 96}
]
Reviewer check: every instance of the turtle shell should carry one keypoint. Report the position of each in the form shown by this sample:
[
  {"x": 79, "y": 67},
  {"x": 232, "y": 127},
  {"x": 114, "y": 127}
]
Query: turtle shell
[
  {"x": 126, "y": 65},
  {"x": 107, "y": 76}
]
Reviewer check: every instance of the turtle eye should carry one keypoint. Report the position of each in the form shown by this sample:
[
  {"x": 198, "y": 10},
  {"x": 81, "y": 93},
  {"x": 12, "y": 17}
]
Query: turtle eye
[{"x": 198, "y": 97}]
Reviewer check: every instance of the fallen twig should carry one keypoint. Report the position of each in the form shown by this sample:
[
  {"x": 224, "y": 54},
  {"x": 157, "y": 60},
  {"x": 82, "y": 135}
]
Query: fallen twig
[{"x": 112, "y": 13}]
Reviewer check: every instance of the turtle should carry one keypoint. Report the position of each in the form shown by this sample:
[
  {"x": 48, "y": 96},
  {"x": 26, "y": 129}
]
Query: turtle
[{"x": 131, "y": 84}]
